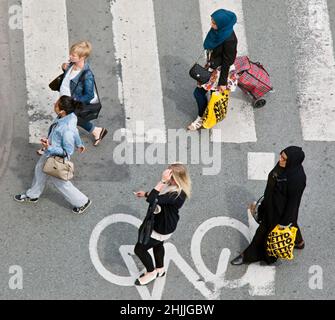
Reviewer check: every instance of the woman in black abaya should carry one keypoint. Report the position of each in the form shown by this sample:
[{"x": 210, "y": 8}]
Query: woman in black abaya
[{"x": 282, "y": 197}]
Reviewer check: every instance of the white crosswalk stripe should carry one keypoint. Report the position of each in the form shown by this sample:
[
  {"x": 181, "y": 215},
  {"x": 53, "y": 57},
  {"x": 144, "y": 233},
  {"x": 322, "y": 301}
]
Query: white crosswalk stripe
[
  {"x": 45, "y": 48},
  {"x": 315, "y": 68},
  {"x": 140, "y": 87},
  {"x": 137, "y": 52}
]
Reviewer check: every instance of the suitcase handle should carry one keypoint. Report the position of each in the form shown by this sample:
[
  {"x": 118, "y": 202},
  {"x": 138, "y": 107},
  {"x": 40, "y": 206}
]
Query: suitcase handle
[{"x": 260, "y": 66}]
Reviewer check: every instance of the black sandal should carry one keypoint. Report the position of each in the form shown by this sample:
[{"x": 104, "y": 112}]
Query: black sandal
[{"x": 101, "y": 136}]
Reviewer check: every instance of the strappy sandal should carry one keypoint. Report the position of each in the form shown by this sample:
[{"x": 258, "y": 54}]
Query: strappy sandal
[
  {"x": 195, "y": 125},
  {"x": 101, "y": 136}
]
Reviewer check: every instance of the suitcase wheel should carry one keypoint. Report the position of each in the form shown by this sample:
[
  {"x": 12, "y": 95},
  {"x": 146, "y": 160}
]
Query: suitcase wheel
[{"x": 259, "y": 103}]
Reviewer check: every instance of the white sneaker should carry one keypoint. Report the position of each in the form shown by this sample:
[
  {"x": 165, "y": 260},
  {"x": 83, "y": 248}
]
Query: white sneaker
[{"x": 196, "y": 124}]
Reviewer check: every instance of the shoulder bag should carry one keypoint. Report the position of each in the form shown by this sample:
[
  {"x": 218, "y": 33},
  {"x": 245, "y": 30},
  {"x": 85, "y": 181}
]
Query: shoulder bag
[
  {"x": 147, "y": 226},
  {"x": 199, "y": 73},
  {"x": 59, "y": 167},
  {"x": 55, "y": 84},
  {"x": 89, "y": 111}
]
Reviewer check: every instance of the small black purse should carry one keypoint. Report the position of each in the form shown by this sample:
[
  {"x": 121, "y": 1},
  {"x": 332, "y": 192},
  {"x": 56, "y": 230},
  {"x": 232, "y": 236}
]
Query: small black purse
[
  {"x": 147, "y": 226},
  {"x": 199, "y": 73},
  {"x": 55, "y": 84}
]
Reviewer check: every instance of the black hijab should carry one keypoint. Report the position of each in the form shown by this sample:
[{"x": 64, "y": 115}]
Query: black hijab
[
  {"x": 284, "y": 189},
  {"x": 295, "y": 157}
]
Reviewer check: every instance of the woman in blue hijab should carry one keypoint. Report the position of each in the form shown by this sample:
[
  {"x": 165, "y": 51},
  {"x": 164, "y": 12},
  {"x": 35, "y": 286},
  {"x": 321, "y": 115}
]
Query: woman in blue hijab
[{"x": 221, "y": 47}]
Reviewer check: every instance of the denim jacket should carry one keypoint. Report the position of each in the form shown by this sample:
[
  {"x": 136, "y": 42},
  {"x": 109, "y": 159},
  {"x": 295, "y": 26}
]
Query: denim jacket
[
  {"x": 83, "y": 90},
  {"x": 63, "y": 135}
]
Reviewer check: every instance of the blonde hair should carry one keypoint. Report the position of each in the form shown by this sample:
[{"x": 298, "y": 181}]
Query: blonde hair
[
  {"x": 182, "y": 178},
  {"x": 82, "y": 49}
]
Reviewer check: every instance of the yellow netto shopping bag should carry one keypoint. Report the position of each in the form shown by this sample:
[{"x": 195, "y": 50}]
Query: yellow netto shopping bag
[
  {"x": 216, "y": 109},
  {"x": 280, "y": 242}
]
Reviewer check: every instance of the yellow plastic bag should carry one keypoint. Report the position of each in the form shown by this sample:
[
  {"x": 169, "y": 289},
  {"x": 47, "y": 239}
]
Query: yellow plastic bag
[
  {"x": 280, "y": 242},
  {"x": 216, "y": 109}
]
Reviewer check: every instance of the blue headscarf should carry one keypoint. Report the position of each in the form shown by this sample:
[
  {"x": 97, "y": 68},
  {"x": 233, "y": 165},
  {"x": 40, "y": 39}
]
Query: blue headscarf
[{"x": 225, "y": 21}]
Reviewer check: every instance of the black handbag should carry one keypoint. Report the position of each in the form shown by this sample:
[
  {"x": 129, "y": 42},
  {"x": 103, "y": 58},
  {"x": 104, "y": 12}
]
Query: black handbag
[
  {"x": 55, "y": 84},
  {"x": 147, "y": 226},
  {"x": 89, "y": 111},
  {"x": 200, "y": 73}
]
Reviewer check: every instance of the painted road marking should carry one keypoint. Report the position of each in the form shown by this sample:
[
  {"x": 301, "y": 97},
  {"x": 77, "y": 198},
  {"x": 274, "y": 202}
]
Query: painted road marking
[
  {"x": 315, "y": 68},
  {"x": 46, "y": 41},
  {"x": 259, "y": 279},
  {"x": 137, "y": 53},
  {"x": 239, "y": 125},
  {"x": 260, "y": 164}
]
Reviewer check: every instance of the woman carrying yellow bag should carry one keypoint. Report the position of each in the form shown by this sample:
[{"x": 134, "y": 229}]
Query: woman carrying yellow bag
[
  {"x": 221, "y": 49},
  {"x": 280, "y": 206}
]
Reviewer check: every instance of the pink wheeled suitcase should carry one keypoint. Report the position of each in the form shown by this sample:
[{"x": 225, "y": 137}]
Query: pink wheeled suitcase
[{"x": 253, "y": 79}]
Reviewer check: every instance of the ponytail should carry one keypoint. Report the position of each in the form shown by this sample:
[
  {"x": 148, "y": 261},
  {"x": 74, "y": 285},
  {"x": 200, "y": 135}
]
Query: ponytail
[
  {"x": 69, "y": 105},
  {"x": 77, "y": 105}
]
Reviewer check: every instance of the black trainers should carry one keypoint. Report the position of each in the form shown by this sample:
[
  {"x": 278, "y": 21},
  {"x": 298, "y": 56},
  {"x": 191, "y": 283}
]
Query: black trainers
[
  {"x": 81, "y": 210},
  {"x": 24, "y": 198}
]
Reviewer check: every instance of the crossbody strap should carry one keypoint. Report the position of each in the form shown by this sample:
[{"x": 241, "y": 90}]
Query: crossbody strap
[
  {"x": 81, "y": 79},
  {"x": 196, "y": 61}
]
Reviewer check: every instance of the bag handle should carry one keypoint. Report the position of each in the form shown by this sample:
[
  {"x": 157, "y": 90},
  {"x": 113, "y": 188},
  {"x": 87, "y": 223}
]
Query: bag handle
[
  {"x": 258, "y": 64},
  {"x": 260, "y": 199},
  {"x": 96, "y": 89},
  {"x": 196, "y": 61},
  {"x": 66, "y": 155}
]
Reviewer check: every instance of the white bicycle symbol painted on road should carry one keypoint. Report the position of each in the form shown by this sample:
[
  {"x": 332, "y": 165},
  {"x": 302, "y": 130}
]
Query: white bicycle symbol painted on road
[{"x": 260, "y": 279}]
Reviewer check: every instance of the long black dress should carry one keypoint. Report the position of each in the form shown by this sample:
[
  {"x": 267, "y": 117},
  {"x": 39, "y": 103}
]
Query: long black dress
[{"x": 282, "y": 198}]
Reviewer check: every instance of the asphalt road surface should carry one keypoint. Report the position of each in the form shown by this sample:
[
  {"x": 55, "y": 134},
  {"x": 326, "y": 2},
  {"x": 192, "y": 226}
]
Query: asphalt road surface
[{"x": 141, "y": 57}]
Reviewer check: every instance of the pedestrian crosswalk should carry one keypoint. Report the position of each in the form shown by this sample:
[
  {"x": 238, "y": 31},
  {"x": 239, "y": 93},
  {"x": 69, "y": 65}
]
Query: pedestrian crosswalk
[
  {"x": 139, "y": 81},
  {"x": 315, "y": 68},
  {"x": 46, "y": 41}
]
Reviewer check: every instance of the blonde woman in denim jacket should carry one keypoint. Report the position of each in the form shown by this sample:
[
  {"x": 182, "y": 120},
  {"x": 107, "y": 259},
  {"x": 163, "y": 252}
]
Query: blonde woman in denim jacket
[
  {"x": 62, "y": 139},
  {"x": 78, "y": 83}
]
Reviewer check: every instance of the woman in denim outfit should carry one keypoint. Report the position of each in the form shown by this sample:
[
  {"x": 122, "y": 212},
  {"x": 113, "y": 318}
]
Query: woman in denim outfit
[
  {"x": 62, "y": 139},
  {"x": 78, "y": 83}
]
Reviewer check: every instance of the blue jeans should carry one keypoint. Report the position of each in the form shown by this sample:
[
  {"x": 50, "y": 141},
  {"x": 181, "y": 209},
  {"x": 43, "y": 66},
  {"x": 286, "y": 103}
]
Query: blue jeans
[
  {"x": 88, "y": 126},
  {"x": 201, "y": 98}
]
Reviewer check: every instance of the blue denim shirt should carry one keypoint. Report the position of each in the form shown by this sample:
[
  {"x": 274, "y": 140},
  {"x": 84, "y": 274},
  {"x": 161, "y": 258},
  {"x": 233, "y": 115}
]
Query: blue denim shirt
[
  {"x": 83, "y": 90},
  {"x": 64, "y": 135}
]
